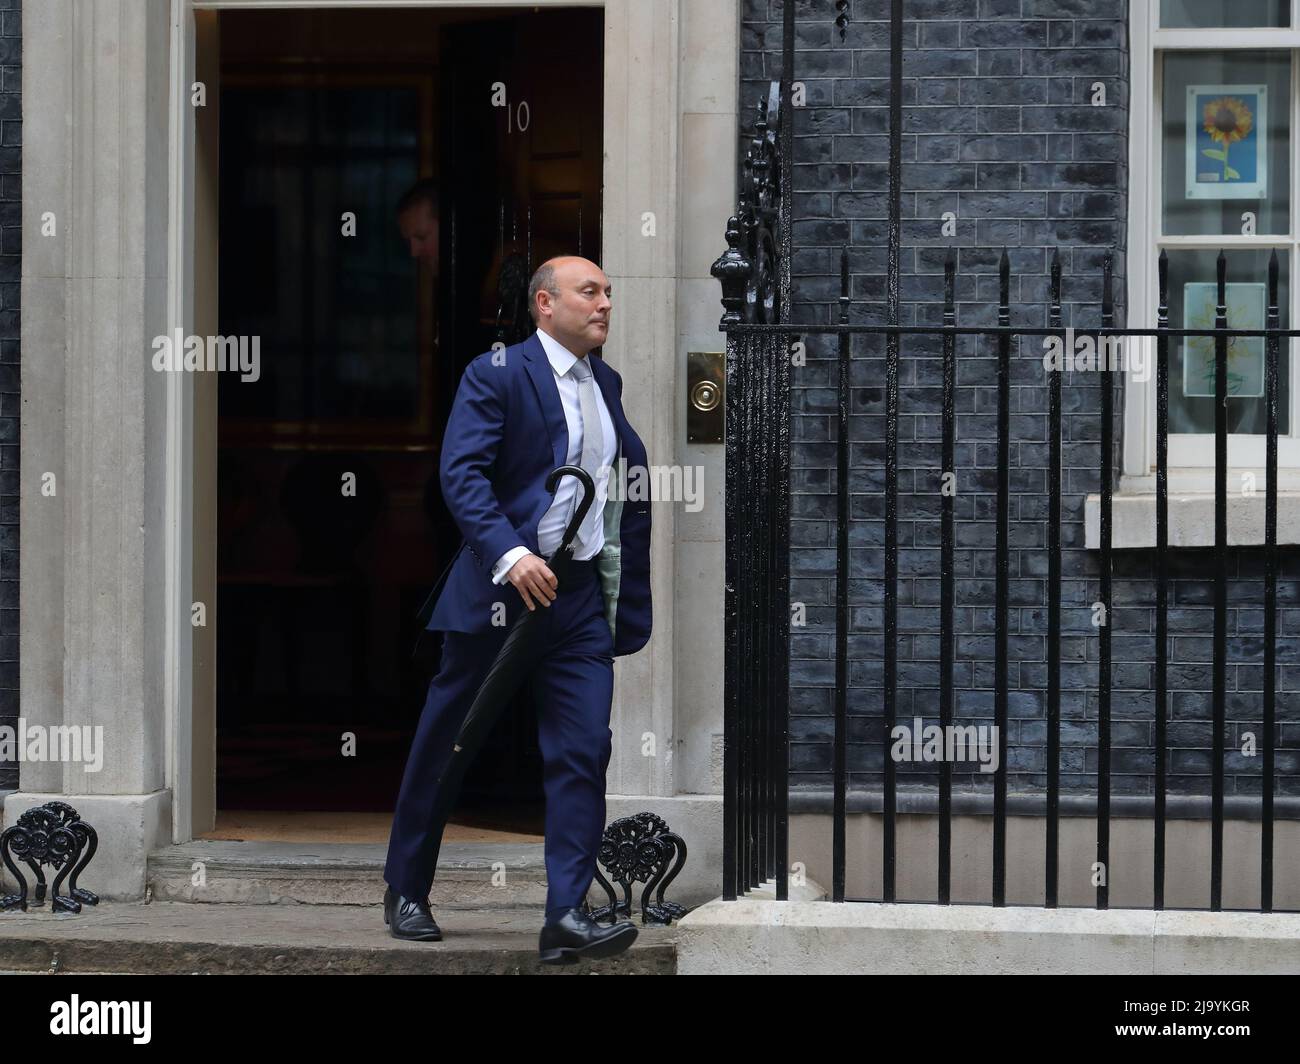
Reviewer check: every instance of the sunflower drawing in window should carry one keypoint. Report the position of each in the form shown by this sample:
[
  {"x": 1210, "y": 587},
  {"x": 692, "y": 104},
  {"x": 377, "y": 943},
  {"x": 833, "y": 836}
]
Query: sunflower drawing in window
[
  {"x": 1245, "y": 361},
  {"x": 1227, "y": 120},
  {"x": 1226, "y": 141}
]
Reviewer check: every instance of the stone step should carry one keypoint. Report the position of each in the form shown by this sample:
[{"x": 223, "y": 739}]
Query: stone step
[
  {"x": 487, "y": 875},
  {"x": 176, "y": 938}
]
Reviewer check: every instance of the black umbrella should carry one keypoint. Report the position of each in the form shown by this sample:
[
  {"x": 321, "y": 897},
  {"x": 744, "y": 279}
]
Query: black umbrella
[{"x": 521, "y": 650}]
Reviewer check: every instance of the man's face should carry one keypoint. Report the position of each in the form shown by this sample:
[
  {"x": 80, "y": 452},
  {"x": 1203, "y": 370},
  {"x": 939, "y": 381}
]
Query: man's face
[
  {"x": 419, "y": 226},
  {"x": 580, "y": 314}
]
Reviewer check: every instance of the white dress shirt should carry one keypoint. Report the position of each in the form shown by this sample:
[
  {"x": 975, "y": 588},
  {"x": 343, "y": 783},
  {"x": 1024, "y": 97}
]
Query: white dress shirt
[{"x": 550, "y": 530}]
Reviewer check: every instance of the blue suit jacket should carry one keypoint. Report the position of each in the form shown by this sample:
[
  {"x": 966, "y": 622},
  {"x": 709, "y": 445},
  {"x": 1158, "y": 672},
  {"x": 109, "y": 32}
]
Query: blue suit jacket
[{"x": 495, "y": 461}]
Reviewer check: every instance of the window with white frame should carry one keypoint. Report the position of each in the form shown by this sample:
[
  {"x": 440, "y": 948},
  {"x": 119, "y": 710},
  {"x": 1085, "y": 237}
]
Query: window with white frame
[{"x": 1213, "y": 153}]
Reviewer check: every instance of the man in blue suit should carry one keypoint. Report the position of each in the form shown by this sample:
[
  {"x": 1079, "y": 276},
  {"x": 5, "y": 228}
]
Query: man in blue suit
[{"x": 518, "y": 414}]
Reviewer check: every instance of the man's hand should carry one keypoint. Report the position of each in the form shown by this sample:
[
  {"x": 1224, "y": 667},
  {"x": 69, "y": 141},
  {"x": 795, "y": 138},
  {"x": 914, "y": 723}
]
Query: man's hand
[{"x": 533, "y": 578}]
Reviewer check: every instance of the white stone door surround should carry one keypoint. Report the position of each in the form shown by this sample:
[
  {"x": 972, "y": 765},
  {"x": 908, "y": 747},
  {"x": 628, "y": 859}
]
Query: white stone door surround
[{"x": 107, "y": 563}]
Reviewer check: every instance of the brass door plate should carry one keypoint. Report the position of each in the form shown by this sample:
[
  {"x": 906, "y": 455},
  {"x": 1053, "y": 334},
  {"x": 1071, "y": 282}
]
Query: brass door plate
[{"x": 706, "y": 379}]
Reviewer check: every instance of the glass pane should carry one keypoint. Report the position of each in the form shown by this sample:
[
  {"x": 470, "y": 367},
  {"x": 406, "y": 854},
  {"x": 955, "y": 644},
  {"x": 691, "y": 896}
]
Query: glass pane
[
  {"x": 1225, "y": 142},
  {"x": 1192, "y": 300},
  {"x": 1221, "y": 14},
  {"x": 336, "y": 318}
]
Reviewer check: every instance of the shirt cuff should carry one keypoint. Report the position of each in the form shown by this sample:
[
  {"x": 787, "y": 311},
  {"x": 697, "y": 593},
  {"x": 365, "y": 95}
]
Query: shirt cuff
[{"x": 506, "y": 562}]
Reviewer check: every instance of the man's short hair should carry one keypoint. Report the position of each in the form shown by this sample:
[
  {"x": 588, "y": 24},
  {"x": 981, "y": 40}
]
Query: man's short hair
[
  {"x": 423, "y": 191},
  {"x": 544, "y": 278}
]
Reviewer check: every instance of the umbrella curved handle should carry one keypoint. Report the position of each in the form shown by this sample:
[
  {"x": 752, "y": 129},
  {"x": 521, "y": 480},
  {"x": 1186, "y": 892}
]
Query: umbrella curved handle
[
  {"x": 588, "y": 495},
  {"x": 518, "y": 653}
]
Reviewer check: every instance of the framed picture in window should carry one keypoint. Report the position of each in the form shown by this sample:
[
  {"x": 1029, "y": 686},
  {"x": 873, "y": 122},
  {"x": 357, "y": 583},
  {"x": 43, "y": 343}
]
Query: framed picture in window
[
  {"x": 1245, "y": 303},
  {"x": 1227, "y": 141}
]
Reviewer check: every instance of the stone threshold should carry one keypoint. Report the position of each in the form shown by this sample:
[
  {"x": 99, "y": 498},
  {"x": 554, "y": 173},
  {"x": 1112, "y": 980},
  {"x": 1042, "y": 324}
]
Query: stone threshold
[
  {"x": 808, "y": 935},
  {"x": 171, "y": 938},
  {"x": 489, "y": 875}
]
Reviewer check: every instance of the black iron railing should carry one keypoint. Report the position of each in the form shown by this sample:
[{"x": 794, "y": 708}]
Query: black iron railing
[{"x": 754, "y": 273}]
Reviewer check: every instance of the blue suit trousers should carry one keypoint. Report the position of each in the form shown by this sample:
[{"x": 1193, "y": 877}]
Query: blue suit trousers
[{"x": 573, "y": 686}]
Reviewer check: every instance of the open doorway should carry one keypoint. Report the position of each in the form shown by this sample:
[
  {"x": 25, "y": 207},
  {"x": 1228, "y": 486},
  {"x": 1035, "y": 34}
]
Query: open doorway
[{"x": 330, "y": 523}]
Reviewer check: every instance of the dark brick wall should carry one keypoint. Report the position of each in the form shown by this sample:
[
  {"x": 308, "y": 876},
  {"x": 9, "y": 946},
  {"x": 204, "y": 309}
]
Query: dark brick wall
[
  {"x": 1000, "y": 128},
  {"x": 11, "y": 139}
]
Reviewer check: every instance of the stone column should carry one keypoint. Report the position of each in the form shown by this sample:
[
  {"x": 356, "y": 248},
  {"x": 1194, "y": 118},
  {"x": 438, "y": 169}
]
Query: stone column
[
  {"x": 710, "y": 56},
  {"x": 676, "y": 57},
  {"x": 94, "y": 286},
  {"x": 640, "y": 259}
]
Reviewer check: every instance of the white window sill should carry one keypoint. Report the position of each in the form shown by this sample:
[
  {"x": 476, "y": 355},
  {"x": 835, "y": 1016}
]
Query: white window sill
[{"x": 1191, "y": 519}]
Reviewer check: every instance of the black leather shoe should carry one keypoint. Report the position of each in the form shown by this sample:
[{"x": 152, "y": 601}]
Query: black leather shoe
[
  {"x": 410, "y": 919},
  {"x": 573, "y": 935}
]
